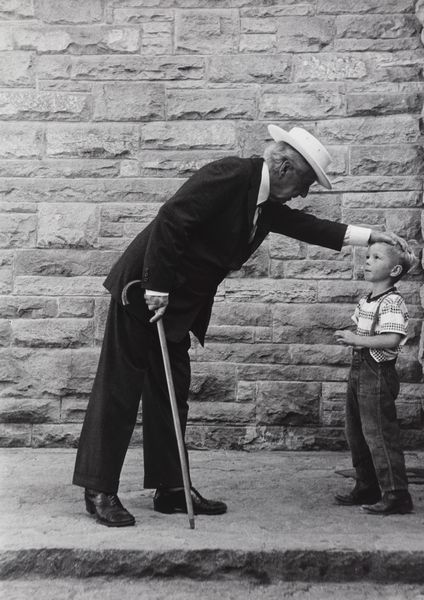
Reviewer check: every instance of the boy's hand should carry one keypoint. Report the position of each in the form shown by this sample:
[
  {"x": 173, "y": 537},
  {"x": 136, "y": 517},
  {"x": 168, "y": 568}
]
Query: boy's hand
[{"x": 345, "y": 337}]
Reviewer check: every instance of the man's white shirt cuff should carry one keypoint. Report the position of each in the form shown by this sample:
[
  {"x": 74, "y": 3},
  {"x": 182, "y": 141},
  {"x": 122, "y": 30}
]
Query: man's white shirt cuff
[
  {"x": 357, "y": 236},
  {"x": 152, "y": 293}
]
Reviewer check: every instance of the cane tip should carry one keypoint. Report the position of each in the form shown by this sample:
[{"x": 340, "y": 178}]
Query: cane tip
[{"x": 191, "y": 523}]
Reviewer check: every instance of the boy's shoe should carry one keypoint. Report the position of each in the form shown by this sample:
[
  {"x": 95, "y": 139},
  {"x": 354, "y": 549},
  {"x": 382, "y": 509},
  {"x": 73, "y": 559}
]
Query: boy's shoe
[
  {"x": 398, "y": 502},
  {"x": 168, "y": 502},
  {"x": 359, "y": 495}
]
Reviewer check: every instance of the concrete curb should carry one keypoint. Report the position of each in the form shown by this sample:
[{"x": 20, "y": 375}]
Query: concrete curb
[{"x": 262, "y": 566}]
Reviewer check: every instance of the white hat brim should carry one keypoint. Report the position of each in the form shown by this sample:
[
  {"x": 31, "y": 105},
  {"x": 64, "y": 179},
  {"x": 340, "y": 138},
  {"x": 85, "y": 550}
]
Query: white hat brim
[{"x": 280, "y": 135}]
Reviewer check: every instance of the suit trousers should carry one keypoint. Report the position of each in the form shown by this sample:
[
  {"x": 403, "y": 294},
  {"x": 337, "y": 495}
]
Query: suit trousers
[{"x": 131, "y": 367}]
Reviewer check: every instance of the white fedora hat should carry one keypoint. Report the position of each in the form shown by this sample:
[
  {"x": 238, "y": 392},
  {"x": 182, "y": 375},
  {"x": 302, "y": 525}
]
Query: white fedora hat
[{"x": 308, "y": 146}]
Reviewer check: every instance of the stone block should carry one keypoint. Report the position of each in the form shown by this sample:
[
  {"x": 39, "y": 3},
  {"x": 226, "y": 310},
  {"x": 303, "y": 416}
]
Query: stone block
[
  {"x": 96, "y": 141},
  {"x": 75, "y": 307},
  {"x": 246, "y": 391},
  {"x": 16, "y": 9},
  {"x": 328, "y": 67},
  {"x": 383, "y": 103},
  {"x": 309, "y": 323},
  {"x": 406, "y": 223},
  {"x": 129, "y": 68},
  {"x": 64, "y": 262},
  {"x": 29, "y": 410},
  {"x": 209, "y": 384},
  {"x": 59, "y": 286},
  {"x": 396, "y": 66},
  {"x": 305, "y": 34},
  {"x": 249, "y": 69},
  {"x": 211, "y": 104},
  {"x": 5, "y": 332},
  {"x": 53, "y": 66},
  {"x": 388, "y": 26},
  {"x": 187, "y": 135},
  {"x": 320, "y": 354},
  {"x": 311, "y": 269},
  {"x": 15, "y": 435},
  {"x": 344, "y": 291},
  {"x": 258, "y": 42},
  {"x": 204, "y": 31},
  {"x": 269, "y": 290},
  {"x": 157, "y": 38},
  {"x": 17, "y": 230},
  {"x": 29, "y": 373},
  {"x": 243, "y": 314},
  {"x": 71, "y": 11},
  {"x": 287, "y": 403},
  {"x": 230, "y": 334},
  {"x": 217, "y": 436},
  {"x": 71, "y": 225},
  {"x": 290, "y": 372},
  {"x": 14, "y": 307},
  {"x": 60, "y": 168},
  {"x": 234, "y": 413},
  {"x": 146, "y": 190},
  {"x": 282, "y": 247},
  {"x": 6, "y": 272},
  {"x": 386, "y": 160},
  {"x": 257, "y": 24},
  {"x": 369, "y": 130},
  {"x": 143, "y": 102},
  {"x": 20, "y": 140},
  {"x": 76, "y": 40},
  {"x": 28, "y": 105},
  {"x": 364, "y": 6},
  {"x": 138, "y": 14},
  {"x": 301, "y": 101},
  {"x": 55, "y": 435},
  {"x": 73, "y": 410},
  {"x": 16, "y": 69},
  {"x": 385, "y": 199},
  {"x": 52, "y": 333},
  {"x": 260, "y": 14},
  {"x": 243, "y": 353},
  {"x": 256, "y": 266}
]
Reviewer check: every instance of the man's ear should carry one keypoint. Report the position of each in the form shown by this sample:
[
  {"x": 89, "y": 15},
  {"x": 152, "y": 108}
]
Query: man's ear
[
  {"x": 283, "y": 168},
  {"x": 396, "y": 271}
]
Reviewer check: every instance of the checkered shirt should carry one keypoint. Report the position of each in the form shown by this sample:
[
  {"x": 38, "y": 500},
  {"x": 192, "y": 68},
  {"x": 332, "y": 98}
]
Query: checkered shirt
[{"x": 392, "y": 318}]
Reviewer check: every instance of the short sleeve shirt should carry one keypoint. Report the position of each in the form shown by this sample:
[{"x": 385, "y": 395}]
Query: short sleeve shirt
[{"x": 392, "y": 318}]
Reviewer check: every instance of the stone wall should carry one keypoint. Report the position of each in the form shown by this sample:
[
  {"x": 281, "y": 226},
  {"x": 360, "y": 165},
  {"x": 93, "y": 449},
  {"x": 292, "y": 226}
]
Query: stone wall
[{"x": 106, "y": 106}]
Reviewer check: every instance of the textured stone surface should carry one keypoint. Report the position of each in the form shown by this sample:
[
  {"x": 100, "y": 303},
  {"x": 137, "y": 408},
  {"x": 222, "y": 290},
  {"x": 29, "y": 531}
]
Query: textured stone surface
[{"x": 106, "y": 107}]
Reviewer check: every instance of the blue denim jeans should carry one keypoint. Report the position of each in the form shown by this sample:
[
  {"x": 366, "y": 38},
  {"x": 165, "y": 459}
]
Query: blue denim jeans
[{"x": 372, "y": 428}]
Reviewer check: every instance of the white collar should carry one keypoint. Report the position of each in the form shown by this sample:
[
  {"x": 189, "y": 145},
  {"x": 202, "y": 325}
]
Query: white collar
[{"x": 263, "y": 193}]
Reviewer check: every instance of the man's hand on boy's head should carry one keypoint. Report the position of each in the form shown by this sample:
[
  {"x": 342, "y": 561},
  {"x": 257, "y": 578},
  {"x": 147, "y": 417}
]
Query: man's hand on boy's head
[
  {"x": 388, "y": 237},
  {"x": 346, "y": 337}
]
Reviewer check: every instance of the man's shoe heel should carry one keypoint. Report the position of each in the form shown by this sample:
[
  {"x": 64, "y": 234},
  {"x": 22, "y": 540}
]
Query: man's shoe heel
[{"x": 90, "y": 506}]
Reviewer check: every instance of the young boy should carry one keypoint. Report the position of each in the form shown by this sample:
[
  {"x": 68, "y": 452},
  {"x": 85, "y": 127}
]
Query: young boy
[{"x": 372, "y": 429}]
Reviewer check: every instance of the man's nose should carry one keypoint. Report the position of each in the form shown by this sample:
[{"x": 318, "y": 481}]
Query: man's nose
[{"x": 304, "y": 194}]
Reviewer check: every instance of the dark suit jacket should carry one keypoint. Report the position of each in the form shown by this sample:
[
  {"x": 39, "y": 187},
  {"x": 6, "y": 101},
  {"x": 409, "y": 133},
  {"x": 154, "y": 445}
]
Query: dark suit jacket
[{"x": 202, "y": 233}]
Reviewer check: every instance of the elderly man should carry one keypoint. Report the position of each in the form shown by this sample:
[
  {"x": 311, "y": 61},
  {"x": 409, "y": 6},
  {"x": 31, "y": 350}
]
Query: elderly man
[{"x": 210, "y": 227}]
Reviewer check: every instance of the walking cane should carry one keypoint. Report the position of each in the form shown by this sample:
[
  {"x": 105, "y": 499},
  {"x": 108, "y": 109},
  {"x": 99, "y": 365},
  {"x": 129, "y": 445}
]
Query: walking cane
[{"x": 177, "y": 424}]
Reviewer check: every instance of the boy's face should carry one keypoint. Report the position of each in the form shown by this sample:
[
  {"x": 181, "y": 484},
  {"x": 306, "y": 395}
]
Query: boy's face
[{"x": 380, "y": 263}]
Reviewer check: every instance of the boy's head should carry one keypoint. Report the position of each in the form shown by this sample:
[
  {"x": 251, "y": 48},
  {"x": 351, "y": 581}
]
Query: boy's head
[{"x": 385, "y": 261}]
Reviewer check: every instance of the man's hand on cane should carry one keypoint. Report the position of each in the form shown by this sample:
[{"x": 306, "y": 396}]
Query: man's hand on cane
[{"x": 157, "y": 304}]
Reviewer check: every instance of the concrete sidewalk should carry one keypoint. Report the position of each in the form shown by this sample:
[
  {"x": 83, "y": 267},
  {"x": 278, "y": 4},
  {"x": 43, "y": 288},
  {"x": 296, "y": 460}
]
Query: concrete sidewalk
[{"x": 282, "y": 523}]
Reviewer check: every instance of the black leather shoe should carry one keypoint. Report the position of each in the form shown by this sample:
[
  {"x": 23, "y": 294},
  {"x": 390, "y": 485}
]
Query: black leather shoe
[
  {"x": 169, "y": 502},
  {"x": 108, "y": 509},
  {"x": 398, "y": 502},
  {"x": 358, "y": 496}
]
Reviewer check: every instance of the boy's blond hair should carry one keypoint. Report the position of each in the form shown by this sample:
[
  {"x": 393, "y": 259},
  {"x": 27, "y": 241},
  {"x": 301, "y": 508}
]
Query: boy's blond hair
[{"x": 404, "y": 257}]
